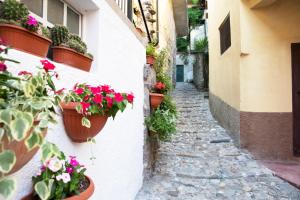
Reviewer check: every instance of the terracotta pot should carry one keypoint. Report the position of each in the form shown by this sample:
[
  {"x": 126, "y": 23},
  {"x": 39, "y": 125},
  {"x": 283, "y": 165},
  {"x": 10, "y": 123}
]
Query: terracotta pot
[
  {"x": 82, "y": 196},
  {"x": 73, "y": 127},
  {"x": 21, "y": 39},
  {"x": 156, "y": 99},
  {"x": 150, "y": 60},
  {"x": 23, "y": 156},
  {"x": 71, "y": 57}
]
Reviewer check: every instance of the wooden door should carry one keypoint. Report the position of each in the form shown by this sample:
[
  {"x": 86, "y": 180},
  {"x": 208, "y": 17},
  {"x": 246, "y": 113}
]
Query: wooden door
[
  {"x": 179, "y": 73},
  {"x": 296, "y": 96}
]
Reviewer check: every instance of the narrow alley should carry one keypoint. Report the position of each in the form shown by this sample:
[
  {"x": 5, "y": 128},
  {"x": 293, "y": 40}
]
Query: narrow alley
[{"x": 201, "y": 162}]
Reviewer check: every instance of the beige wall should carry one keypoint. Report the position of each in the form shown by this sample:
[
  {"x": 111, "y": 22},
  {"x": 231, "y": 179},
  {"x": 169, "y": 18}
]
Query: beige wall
[
  {"x": 267, "y": 34},
  {"x": 224, "y": 71}
]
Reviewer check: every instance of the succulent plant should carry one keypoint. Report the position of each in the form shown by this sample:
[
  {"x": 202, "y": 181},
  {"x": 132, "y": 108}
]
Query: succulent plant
[
  {"x": 59, "y": 35},
  {"x": 13, "y": 10},
  {"x": 78, "y": 39},
  {"x": 74, "y": 44}
]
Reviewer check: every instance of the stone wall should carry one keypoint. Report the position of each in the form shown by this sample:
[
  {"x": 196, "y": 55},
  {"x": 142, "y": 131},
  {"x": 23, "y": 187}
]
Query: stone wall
[
  {"x": 150, "y": 144},
  {"x": 198, "y": 78}
]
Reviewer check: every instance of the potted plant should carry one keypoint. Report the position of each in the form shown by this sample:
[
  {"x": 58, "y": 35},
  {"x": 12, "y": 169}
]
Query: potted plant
[
  {"x": 70, "y": 49},
  {"x": 86, "y": 109},
  {"x": 150, "y": 53},
  {"x": 61, "y": 178},
  {"x": 21, "y": 31},
  {"x": 157, "y": 94},
  {"x": 27, "y": 104}
]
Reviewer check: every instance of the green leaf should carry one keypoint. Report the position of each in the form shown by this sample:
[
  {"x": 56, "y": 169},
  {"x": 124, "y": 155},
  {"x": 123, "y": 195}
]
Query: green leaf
[
  {"x": 43, "y": 189},
  {"x": 49, "y": 150},
  {"x": 86, "y": 122},
  {"x": 7, "y": 187},
  {"x": 5, "y": 116},
  {"x": 7, "y": 161},
  {"x": 19, "y": 128},
  {"x": 28, "y": 117},
  {"x": 32, "y": 141},
  {"x": 43, "y": 123}
]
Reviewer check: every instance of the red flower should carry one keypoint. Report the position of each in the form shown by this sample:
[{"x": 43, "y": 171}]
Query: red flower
[
  {"x": 130, "y": 97},
  {"x": 105, "y": 88},
  {"x": 98, "y": 98},
  {"x": 160, "y": 86},
  {"x": 79, "y": 91},
  {"x": 47, "y": 65},
  {"x": 59, "y": 91},
  {"x": 85, "y": 106},
  {"x": 109, "y": 101},
  {"x": 118, "y": 97},
  {"x": 24, "y": 73},
  {"x": 95, "y": 90},
  {"x": 2, "y": 67},
  {"x": 86, "y": 98}
]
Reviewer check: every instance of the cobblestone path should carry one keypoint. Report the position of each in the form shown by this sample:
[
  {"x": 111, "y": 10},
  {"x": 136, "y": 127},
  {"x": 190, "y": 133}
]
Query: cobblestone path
[{"x": 200, "y": 163}]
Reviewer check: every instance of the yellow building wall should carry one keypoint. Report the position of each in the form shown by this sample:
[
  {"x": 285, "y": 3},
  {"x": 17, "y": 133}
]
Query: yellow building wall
[
  {"x": 224, "y": 74},
  {"x": 266, "y": 37}
]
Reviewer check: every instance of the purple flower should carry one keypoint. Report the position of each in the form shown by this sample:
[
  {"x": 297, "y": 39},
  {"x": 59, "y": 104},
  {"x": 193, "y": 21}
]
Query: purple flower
[
  {"x": 69, "y": 170},
  {"x": 31, "y": 21},
  {"x": 73, "y": 161},
  {"x": 2, "y": 67}
]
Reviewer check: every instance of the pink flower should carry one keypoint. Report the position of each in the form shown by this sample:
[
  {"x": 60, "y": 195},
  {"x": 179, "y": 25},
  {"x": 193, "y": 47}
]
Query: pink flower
[
  {"x": 85, "y": 106},
  {"x": 47, "y": 65},
  {"x": 65, "y": 177},
  {"x": 74, "y": 162},
  {"x": 55, "y": 164},
  {"x": 24, "y": 73},
  {"x": 98, "y": 98},
  {"x": 86, "y": 98},
  {"x": 2, "y": 67},
  {"x": 109, "y": 101},
  {"x": 69, "y": 170},
  {"x": 79, "y": 91},
  {"x": 118, "y": 97},
  {"x": 32, "y": 21},
  {"x": 105, "y": 88},
  {"x": 130, "y": 97},
  {"x": 95, "y": 90}
]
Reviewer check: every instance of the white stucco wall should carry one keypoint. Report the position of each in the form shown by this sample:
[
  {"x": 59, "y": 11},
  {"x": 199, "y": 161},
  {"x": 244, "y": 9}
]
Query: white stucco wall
[
  {"x": 119, "y": 59},
  {"x": 196, "y": 34}
]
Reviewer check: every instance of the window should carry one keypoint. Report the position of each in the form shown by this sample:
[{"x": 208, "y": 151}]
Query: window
[
  {"x": 51, "y": 12},
  {"x": 225, "y": 34}
]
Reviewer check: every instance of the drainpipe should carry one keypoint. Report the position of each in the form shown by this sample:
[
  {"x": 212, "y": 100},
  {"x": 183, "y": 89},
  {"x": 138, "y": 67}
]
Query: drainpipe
[{"x": 145, "y": 22}]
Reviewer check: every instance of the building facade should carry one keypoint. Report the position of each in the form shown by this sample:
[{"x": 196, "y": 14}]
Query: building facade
[{"x": 254, "y": 66}]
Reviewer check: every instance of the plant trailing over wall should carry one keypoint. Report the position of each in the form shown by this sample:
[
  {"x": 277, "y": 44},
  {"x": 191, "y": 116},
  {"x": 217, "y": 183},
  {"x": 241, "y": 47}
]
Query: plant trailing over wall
[
  {"x": 195, "y": 2},
  {"x": 201, "y": 45},
  {"x": 59, "y": 35},
  {"x": 195, "y": 17},
  {"x": 27, "y": 107},
  {"x": 60, "y": 178},
  {"x": 182, "y": 45},
  {"x": 98, "y": 100},
  {"x": 13, "y": 10},
  {"x": 151, "y": 50}
]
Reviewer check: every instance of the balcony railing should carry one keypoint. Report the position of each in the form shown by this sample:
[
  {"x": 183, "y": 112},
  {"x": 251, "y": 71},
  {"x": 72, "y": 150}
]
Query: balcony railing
[{"x": 126, "y": 7}]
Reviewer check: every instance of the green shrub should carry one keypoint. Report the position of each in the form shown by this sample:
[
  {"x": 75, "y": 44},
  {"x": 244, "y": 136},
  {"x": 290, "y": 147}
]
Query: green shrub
[
  {"x": 169, "y": 104},
  {"x": 195, "y": 17},
  {"x": 201, "y": 45},
  {"x": 59, "y": 35},
  {"x": 13, "y": 10},
  {"x": 75, "y": 45},
  {"x": 182, "y": 44},
  {"x": 78, "y": 39},
  {"x": 162, "y": 123},
  {"x": 165, "y": 79},
  {"x": 151, "y": 50},
  {"x": 45, "y": 32}
]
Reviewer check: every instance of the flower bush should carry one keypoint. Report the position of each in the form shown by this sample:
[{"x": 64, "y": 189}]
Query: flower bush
[
  {"x": 159, "y": 87},
  {"x": 27, "y": 102},
  {"x": 102, "y": 100},
  {"x": 60, "y": 178}
]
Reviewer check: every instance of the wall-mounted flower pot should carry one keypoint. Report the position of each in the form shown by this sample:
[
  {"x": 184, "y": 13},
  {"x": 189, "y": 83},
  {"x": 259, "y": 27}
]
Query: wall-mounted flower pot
[
  {"x": 73, "y": 127},
  {"x": 84, "y": 195},
  {"x": 71, "y": 57},
  {"x": 156, "y": 99},
  {"x": 21, "y": 39},
  {"x": 150, "y": 60},
  {"x": 23, "y": 156}
]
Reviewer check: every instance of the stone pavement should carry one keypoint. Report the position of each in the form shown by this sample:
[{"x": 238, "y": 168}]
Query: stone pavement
[{"x": 202, "y": 163}]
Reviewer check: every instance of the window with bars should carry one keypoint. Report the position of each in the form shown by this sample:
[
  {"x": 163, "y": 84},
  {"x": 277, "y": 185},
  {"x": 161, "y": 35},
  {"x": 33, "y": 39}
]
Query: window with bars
[
  {"x": 51, "y": 12},
  {"x": 225, "y": 35}
]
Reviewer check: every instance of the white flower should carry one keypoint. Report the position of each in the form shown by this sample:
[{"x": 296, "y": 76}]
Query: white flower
[
  {"x": 66, "y": 177},
  {"x": 55, "y": 164}
]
